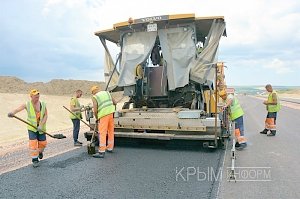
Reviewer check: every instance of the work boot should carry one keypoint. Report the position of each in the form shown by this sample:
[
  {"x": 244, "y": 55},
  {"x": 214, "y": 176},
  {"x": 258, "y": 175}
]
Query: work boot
[
  {"x": 237, "y": 144},
  {"x": 77, "y": 143},
  {"x": 99, "y": 155},
  {"x": 273, "y": 133},
  {"x": 242, "y": 146},
  {"x": 109, "y": 150},
  {"x": 265, "y": 131},
  {"x": 35, "y": 162},
  {"x": 41, "y": 155}
]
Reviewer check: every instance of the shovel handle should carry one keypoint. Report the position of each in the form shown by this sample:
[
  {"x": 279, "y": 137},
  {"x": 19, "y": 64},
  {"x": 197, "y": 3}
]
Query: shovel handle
[
  {"x": 94, "y": 132},
  {"x": 32, "y": 125},
  {"x": 77, "y": 117}
]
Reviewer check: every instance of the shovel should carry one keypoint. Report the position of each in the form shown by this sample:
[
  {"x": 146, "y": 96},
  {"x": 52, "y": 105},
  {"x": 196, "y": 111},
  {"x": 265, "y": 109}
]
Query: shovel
[
  {"x": 91, "y": 146},
  {"x": 55, "y": 136},
  {"x": 77, "y": 117}
]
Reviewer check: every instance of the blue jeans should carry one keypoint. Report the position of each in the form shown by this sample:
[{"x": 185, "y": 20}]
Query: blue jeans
[{"x": 76, "y": 127}]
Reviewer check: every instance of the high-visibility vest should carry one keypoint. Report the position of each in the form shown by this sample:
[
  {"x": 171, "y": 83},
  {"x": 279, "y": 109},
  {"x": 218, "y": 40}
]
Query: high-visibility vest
[
  {"x": 236, "y": 110},
  {"x": 273, "y": 108},
  {"x": 77, "y": 105},
  {"x": 31, "y": 116},
  {"x": 105, "y": 104}
]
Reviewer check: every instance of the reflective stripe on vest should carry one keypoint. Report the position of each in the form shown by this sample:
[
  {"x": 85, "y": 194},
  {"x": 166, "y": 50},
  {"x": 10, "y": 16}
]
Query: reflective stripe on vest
[
  {"x": 105, "y": 104},
  {"x": 31, "y": 116},
  {"x": 273, "y": 108},
  {"x": 236, "y": 110},
  {"x": 77, "y": 105}
]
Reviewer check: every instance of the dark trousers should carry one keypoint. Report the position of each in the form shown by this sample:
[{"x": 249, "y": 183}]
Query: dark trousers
[
  {"x": 270, "y": 123},
  {"x": 76, "y": 127},
  {"x": 239, "y": 124},
  {"x": 139, "y": 89},
  {"x": 272, "y": 115}
]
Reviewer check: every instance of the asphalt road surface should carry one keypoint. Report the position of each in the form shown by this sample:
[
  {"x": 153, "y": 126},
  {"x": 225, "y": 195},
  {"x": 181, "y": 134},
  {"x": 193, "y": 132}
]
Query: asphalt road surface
[
  {"x": 269, "y": 167},
  {"x": 169, "y": 170},
  {"x": 143, "y": 171}
]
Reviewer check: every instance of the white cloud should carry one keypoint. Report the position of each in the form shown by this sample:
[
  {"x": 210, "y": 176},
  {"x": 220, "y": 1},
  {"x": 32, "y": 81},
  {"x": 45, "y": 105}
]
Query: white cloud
[
  {"x": 262, "y": 35},
  {"x": 279, "y": 66},
  {"x": 83, "y": 74},
  {"x": 256, "y": 29},
  {"x": 49, "y": 4}
]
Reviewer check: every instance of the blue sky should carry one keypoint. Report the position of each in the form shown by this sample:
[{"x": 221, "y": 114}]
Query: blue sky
[{"x": 54, "y": 39}]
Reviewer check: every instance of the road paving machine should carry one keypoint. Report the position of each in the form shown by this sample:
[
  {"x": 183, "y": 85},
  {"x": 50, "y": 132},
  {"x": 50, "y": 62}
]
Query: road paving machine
[{"x": 167, "y": 67}]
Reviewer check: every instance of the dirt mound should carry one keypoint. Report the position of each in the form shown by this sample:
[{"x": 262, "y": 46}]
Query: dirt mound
[{"x": 54, "y": 87}]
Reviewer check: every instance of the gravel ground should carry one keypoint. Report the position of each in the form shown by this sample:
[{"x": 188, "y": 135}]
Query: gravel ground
[{"x": 16, "y": 155}]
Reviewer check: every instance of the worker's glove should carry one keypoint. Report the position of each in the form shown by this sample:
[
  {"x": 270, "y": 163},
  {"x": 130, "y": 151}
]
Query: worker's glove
[
  {"x": 39, "y": 129},
  {"x": 10, "y": 114},
  {"x": 82, "y": 108}
]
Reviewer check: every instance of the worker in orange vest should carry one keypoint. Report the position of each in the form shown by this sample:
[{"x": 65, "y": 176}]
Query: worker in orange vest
[{"x": 272, "y": 106}]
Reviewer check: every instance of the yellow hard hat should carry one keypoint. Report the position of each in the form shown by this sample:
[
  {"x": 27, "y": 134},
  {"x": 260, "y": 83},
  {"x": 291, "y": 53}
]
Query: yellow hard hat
[
  {"x": 94, "y": 88},
  {"x": 34, "y": 92},
  {"x": 222, "y": 93}
]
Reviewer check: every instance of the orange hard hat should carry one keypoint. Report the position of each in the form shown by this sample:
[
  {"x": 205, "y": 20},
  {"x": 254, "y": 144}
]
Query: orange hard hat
[
  {"x": 94, "y": 88},
  {"x": 222, "y": 93},
  {"x": 34, "y": 92}
]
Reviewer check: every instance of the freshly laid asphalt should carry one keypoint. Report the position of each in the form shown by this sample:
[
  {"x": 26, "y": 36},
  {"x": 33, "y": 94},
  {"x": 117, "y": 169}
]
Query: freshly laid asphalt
[
  {"x": 171, "y": 169},
  {"x": 134, "y": 170}
]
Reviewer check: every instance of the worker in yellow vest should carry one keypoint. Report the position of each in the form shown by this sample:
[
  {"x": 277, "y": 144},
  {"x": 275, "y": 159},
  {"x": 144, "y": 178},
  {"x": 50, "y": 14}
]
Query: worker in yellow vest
[
  {"x": 236, "y": 115},
  {"x": 273, "y": 106},
  {"x": 37, "y": 116},
  {"x": 104, "y": 108},
  {"x": 76, "y": 109},
  {"x": 139, "y": 75}
]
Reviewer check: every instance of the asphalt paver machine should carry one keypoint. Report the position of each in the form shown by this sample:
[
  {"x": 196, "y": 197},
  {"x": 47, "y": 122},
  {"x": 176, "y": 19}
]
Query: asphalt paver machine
[{"x": 167, "y": 67}]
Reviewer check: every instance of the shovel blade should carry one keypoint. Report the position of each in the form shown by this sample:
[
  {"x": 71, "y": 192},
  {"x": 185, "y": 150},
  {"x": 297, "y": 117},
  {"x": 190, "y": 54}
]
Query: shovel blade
[
  {"x": 91, "y": 149},
  {"x": 59, "y": 136}
]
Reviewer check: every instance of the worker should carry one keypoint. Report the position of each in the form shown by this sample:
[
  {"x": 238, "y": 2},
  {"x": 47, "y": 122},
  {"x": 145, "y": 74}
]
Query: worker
[
  {"x": 76, "y": 109},
  {"x": 104, "y": 108},
  {"x": 155, "y": 56},
  {"x": 139, "y": 74},
  {"x": 272, "y": 106},
  {"x": 236, "y": 115},
  {"x": 199, "y": 47},
  {"x": 37, "y": 116}
]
